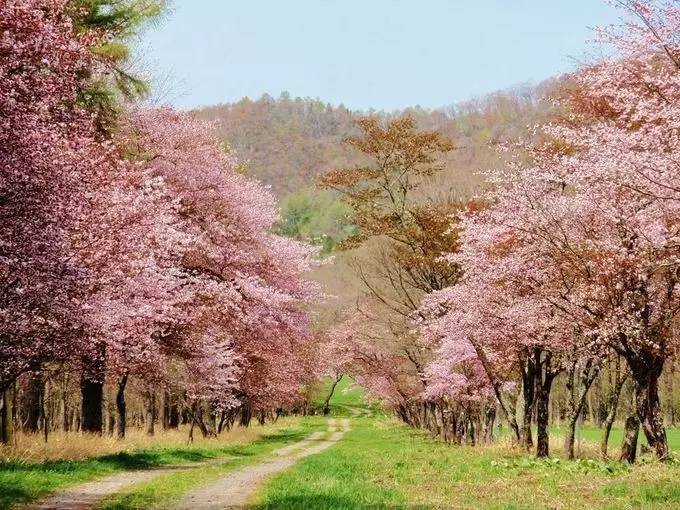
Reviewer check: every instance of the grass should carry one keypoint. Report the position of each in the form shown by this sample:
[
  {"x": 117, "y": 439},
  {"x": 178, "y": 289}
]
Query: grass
[
  {"x": 383, "y": 464},
  {"x": 22, "y": 481},
  {"x": 380, "y": 463},
  {"x": 78, "y": 446},
  {"x": 348, "y": 398}
]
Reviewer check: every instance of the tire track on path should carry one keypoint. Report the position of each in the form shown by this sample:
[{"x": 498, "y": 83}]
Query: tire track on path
[
  {"x": 86, "y": 496},
  {"x": 234, "y": 490}
]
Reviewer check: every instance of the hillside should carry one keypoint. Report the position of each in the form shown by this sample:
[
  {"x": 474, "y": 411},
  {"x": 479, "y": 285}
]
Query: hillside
[{"x": 289, "y": 142}]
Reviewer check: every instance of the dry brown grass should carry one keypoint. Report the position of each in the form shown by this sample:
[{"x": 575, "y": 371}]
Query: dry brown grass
[{"x": 77, "y": 446}]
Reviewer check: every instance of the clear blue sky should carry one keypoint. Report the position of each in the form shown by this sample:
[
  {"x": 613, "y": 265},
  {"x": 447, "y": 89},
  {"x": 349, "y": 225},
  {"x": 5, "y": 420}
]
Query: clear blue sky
[{"x": 384, "y": 54}]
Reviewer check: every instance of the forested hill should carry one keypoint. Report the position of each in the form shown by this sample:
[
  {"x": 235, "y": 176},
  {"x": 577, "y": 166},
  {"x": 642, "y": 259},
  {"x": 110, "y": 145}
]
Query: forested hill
[{"x": 289, "y": 142}]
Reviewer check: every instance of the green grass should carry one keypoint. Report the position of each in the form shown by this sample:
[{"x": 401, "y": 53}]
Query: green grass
[
  {"x": 383, "y": 464},
  {"x": 348, "y": 398},
  {"x": 594, "y": 434},
  {"x": 22, "y": 482}
]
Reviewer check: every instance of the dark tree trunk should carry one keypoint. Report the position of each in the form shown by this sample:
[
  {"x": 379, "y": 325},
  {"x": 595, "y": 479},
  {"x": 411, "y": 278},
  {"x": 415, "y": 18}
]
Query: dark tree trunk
[
  {"x": 646, "y": 372},
  {"x": 651, "y": 418},
  {"x": 223, "y": 421},
  {"x": 326, "y": 403},
  {"x": 542, "y": 415},
  {"x": 121, "y": 411},
  {"x": 606, "y": 432},
  {"x": 7, "y": 415},
  {"x": 246, "y": 416},
  {"x": 31, "y": 403},
  {"x": 92, "y": 392},
  {"x": 528, "y": 393},
  {"x": 173, "y": 411}
]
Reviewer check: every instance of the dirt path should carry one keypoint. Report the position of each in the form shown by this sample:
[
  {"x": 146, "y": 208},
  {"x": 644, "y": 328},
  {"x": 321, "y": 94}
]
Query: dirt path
[
  {"x": 232, "y": 491},
  {"x": 86, "y": 496}
]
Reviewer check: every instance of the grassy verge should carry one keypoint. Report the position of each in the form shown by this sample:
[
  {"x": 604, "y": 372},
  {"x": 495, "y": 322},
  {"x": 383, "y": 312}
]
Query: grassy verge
[
  {"x": 26, "y": 481},
  {"x": 382, "y": 464}
]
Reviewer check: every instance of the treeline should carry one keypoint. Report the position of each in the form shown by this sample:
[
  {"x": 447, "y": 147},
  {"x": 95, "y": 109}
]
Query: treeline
[
  {"x": 44, "y": 404},
  {"x": 137, "y": 262},
  {"x": 549, "y": 298}
]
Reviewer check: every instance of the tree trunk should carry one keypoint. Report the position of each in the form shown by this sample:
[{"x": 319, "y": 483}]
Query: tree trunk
[
  {"x": 44, "y": 414},
  {"x": 630, "y": 438},
  {"x": 613, "y": 404},
  {"x": 489, "y": 421},
  {"x": 121, "y": 418},
  {"x": 529, "y": 373},
  {"x": 75, "y": 421},
  {"x": 542, "y": 409},
  {"x": 92, "y": 392},
  {"x": 165, "y": 410},
  {"x": 31, "y": 404},
  {"x": 670, "y": 393},
  {"x": 578, "y": 386},
  {"x": 63, "y": 405},
  {"x": 150, "y": 412},
  {"x": 646, "y": 371},
  {"x": 527, "y": 441},
  {"x": 497, "y": 384},
  {"x": 326, "y": 403},
  {"x": 173, "y": 419},
  {"x": 570, "y": 436},
  {"x": 246, "y": 415},
  {"x": 7, "y": 415},
  {"x": 196, "y": 412},
  {"x": 651, "y": 418}
]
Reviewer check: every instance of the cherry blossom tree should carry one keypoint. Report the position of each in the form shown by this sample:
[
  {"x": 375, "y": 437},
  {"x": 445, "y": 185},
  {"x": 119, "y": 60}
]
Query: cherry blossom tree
[
  {"x": 139, "y": 251},
  {"x": 578, "y": 253},
  {"x": 46, "y": 144},
  {"x": 246, "y": 284}
]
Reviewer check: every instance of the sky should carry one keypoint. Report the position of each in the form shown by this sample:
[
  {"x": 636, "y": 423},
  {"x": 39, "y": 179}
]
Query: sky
[{"x": 381, "y": 54}]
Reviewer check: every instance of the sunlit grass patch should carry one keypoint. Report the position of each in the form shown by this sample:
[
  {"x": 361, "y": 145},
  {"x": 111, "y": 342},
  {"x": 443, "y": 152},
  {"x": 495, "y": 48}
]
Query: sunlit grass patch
[{"x": 383, "y": 464}]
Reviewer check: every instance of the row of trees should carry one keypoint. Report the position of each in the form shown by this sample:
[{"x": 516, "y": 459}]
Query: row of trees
[
  {"x": 131, "y": 245},
  {"x": 567, "y": 270}
]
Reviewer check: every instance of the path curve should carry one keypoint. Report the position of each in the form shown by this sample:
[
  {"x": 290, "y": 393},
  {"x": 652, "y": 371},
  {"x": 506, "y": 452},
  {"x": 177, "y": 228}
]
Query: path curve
[{"x": 234, "y": 490}]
